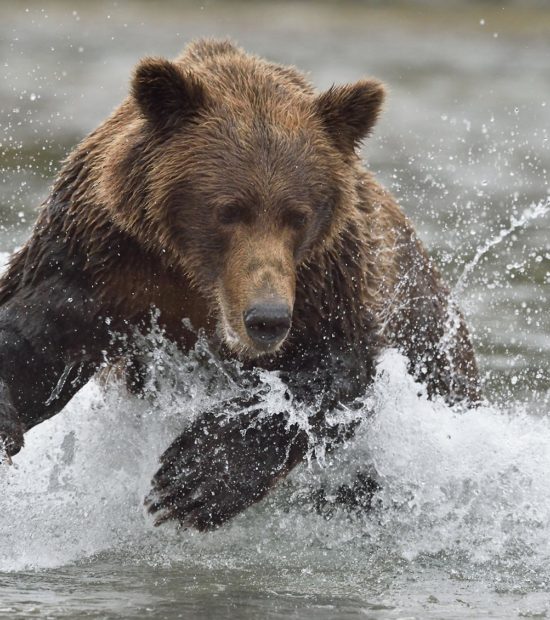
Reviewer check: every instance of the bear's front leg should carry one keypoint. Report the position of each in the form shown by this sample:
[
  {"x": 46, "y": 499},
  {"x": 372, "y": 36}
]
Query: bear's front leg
[
  {"x": 222, "y": 464},
  {"x": 52, "y": 340},
  {"x": 234, "y": 454}
]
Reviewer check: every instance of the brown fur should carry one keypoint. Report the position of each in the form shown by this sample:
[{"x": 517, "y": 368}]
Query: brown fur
[{"x": 222, "y": 182}]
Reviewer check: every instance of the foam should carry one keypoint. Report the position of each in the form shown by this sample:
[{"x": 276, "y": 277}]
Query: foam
[{"x": 470, "y": 484}]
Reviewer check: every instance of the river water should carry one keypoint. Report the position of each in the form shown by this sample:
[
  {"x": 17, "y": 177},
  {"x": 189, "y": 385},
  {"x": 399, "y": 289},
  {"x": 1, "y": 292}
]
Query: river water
[{"x": 461, "y": 527}]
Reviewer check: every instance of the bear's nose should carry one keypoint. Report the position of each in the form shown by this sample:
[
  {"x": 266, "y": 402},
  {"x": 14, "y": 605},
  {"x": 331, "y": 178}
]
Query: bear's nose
[{"x": 267, "y": 323}]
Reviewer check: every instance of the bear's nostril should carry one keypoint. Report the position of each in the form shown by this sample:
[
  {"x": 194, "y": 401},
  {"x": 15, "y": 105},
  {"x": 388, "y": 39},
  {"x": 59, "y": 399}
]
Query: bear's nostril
[{"x": 267, "y": 323}]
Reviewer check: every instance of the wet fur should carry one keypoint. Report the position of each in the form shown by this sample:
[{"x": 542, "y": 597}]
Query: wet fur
[{"x": 128, "y": 226}]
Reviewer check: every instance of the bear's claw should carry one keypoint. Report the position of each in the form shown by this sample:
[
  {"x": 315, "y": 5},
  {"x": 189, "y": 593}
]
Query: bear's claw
[
  {"x": 11, "y": 431},
  {"x": 220, "y": 466}
]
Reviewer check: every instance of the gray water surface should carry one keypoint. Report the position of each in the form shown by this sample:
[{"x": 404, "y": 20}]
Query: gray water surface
[{"x": 462, "y": 527}]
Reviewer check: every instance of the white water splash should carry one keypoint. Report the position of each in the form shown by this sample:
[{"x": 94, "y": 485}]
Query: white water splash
[
  {"x": 470, "y": 485},
  {"x": 467, "y": 482},
  {"x": 532, "y": 212}
]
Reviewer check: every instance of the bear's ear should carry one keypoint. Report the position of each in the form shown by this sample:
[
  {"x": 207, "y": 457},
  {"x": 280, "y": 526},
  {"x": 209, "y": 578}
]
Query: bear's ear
[
  {"x": 350, "y": 112},
  {"x": 165, "y": 95}
]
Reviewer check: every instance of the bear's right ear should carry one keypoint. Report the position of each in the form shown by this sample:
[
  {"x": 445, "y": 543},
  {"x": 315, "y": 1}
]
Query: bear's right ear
[{"x": 165, "y": 95}]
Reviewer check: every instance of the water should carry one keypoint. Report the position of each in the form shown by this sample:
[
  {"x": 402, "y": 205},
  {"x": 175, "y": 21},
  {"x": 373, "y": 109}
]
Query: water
[
  {"x": 463, "y": 514},
  {"x": 461, "y": 527}
]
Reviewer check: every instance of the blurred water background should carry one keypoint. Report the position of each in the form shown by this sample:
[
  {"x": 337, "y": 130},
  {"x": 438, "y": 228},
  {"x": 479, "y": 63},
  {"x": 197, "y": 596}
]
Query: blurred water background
[{"x": 463, "y": 524}]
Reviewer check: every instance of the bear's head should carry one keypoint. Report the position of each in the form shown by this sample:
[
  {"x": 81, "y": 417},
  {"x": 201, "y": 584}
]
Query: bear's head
[{"x": 238, "y": 172}]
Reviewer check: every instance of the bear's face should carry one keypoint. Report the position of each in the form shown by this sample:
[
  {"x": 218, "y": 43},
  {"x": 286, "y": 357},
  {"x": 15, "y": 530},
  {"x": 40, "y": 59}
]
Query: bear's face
[
  {"x": 250, "y": 203},
  {"x": 247, "y": 185}
]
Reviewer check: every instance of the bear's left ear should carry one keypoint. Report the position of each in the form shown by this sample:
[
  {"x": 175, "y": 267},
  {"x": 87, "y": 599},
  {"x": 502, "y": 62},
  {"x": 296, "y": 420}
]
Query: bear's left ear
[
  {"x": 165, "y": 94},
  {"x": 350, "y": 112}
]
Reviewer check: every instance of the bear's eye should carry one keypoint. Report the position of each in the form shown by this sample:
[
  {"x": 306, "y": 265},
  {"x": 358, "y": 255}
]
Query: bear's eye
[
  {"x": 296, "y": 218},
  {"x": 233, "y": 213}
]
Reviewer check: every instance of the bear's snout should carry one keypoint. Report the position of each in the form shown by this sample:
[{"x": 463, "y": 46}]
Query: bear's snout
[{"x": 267, "y": 323}]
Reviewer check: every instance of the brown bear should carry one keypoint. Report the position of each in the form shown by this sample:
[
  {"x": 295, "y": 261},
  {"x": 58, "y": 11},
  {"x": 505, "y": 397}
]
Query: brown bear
[{"x": 225, "y": 190}]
